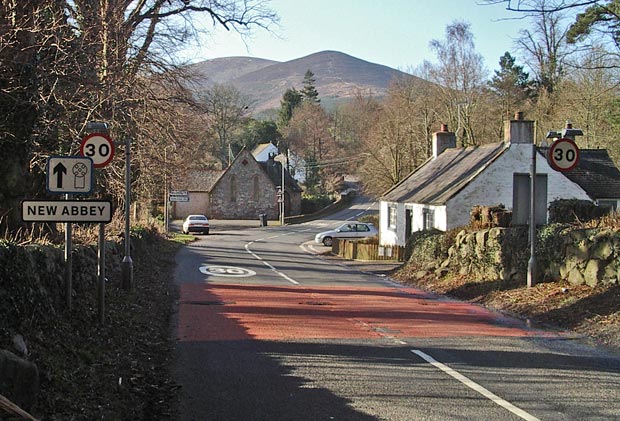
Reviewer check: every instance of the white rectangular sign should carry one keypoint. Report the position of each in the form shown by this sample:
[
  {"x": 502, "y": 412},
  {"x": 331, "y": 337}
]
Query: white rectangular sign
[
  {"x": 69, "y": 174},
  {"x": 173, "y": 198},
  {"x": 66, "y": 211}
]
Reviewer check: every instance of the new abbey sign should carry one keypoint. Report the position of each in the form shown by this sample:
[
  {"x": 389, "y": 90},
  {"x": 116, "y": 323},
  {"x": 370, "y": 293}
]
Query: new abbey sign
[{"x": 67, "y": 211}]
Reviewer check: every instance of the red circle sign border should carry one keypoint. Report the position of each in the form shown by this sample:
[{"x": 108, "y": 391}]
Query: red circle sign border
[
  {"x": 108, "y": 139},
  {"x": 552, "y": 149}
]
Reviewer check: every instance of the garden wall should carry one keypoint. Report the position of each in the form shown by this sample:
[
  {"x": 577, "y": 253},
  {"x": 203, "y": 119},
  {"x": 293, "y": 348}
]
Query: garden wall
[{"x": 579, "y": 256}]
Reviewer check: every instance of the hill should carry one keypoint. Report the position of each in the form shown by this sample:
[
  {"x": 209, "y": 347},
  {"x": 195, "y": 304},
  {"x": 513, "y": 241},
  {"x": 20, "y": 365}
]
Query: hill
[{"x": 338, "y": 77}]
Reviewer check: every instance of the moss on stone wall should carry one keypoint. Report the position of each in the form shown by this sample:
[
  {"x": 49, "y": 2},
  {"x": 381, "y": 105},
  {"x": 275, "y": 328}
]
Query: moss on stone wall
[{"x": 581, "y": 256}]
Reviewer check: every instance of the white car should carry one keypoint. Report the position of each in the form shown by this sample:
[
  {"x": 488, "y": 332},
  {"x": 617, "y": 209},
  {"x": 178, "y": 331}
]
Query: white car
[
  {"x": 196, "y": 223},
  {"x": 352, "y": 229}
]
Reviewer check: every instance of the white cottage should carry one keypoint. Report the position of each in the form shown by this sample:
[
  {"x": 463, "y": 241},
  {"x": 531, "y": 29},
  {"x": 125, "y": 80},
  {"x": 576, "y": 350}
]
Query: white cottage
[{"x": 440, "y": 193}]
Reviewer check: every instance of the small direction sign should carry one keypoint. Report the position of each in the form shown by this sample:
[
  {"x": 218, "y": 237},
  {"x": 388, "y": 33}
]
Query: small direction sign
[
  {"x": 69, "y": 174},
  {"x": 67, "y": 211},
  {"x": 178, "y": 196}
]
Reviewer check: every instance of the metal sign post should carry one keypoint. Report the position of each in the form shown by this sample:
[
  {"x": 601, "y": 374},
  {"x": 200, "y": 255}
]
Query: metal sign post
[
  {"x": 531, "y": 264},
  {"x": 127, "y": 263},
  {"x": 101, "y": 275}
]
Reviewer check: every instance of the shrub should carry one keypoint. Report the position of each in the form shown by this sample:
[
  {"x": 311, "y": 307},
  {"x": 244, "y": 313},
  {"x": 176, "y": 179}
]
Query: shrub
[
  {"x": 569, "y": 211},
  {"x": 311, "y": 203}
]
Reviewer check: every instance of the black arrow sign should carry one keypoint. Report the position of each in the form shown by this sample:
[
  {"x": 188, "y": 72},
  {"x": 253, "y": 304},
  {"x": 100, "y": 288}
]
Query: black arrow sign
[{"x": 61, "y": 170}]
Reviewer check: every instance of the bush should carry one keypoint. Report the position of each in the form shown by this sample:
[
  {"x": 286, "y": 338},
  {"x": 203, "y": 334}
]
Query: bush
[
  {"x": 426, "y": 246},
  {"x": 313, "y": 203},
  {"x": 569, "y": 211}
]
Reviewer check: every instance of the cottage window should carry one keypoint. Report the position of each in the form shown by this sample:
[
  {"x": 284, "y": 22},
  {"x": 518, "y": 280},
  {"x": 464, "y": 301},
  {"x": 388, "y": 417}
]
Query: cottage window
[
  {"x": 392, "y": 217},
  {"x": 255, "y": 188},
  {"x": 609, "y": 204},
  {"x": 233, "y": 188},
  {"x": 428, "y": 219}
]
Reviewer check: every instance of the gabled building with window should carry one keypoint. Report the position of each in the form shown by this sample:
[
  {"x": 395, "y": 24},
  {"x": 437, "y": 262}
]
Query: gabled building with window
[
  {"x": 244, "y": 190},
  {"x": 441, "y": 193}
]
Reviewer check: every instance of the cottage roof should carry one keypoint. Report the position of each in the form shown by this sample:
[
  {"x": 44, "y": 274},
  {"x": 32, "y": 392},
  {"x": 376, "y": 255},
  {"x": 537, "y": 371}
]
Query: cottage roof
[
  {"x": 439, "y": 179},
  {"x": 200, "y": 180},
  {"x": 596, "y": 173},
  {"x": 260, "y": 148}
]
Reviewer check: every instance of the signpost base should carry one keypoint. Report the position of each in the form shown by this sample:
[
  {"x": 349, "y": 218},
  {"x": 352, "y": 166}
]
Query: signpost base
[{"x": 127, "y": 273}]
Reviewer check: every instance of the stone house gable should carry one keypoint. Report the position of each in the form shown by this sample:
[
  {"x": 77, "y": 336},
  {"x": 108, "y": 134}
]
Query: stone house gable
[{"x": 244, "y": 191}]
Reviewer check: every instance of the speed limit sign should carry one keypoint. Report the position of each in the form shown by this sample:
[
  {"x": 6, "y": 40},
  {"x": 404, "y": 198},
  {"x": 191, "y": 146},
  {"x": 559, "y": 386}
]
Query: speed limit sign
[
  {"x": 98, "y": 147},
  {"x": 563, "y": 155}
]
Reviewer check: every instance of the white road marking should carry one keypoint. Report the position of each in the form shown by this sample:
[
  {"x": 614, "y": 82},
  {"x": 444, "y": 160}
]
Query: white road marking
[
  {"x": 475, "y": 386},
  {"x": 270, "y": 266}
]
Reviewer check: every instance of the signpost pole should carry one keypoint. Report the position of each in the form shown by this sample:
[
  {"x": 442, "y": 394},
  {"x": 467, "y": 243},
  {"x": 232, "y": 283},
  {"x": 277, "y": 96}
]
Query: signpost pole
[
  {"x": 68, "y": 262},
  {"x": 101, "y": 274},
  {"x": 531, "y": 265},
  {"x": 127, "y": 263}
]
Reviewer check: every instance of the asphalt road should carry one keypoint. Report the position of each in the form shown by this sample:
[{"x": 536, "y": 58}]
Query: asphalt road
[{"x": 267, "y": 328}]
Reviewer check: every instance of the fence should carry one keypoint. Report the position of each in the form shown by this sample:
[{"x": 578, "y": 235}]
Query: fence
[{"x": 357, "y": 250}]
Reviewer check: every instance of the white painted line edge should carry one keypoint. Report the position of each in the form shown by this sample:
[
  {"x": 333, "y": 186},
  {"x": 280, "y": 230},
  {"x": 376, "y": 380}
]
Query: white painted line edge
[{"x": 475, "y": 386}]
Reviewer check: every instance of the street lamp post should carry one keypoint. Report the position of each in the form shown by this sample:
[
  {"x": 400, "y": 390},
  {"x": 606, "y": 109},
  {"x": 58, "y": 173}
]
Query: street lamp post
[{"x": 281, "y": 158}]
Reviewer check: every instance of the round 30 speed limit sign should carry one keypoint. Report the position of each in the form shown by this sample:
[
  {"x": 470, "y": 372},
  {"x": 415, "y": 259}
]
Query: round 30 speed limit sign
[
  {"x": 563, "y": 155},
  {"x": 98, "y": 147}
]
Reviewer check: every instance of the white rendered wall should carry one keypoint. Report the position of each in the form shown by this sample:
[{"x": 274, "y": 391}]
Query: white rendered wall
[{"x": 495, "y": 185}]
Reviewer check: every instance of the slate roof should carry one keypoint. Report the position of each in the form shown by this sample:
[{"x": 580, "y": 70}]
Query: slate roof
[
  {"x": 596, "y": 173},
  {"x": 260, "y": 148},
  {"x": 201, "y": 180},
  {"x": 439, "y": 179}
]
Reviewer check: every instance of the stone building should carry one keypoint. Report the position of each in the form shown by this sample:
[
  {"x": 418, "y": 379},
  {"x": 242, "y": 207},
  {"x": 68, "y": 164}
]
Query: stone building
[{"x": 244, "y": 190}]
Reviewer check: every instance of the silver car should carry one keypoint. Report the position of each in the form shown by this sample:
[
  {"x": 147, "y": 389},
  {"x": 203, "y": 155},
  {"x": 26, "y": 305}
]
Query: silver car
[{"x": 352, "y": 229}]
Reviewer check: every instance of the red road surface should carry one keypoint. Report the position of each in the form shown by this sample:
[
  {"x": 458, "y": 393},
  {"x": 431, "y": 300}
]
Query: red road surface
[{"x": 222, "y": 312}]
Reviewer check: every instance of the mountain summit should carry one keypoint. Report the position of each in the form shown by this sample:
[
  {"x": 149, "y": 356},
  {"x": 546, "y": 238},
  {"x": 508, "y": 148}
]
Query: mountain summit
[{"x": 338, "y": 77}]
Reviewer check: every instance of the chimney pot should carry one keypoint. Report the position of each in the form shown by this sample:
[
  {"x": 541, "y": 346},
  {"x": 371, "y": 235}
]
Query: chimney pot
[
  {"x": 443, "y": 140},
  {"x": 519, "y": 130}
]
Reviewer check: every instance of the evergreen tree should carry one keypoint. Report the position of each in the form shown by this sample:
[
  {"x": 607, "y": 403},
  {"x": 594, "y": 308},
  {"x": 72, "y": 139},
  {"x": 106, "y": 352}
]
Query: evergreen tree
[
  {"x": 510, "y": 80},
  {"x": 309, "y": 91},
  {"x": 290, "y": 100}
]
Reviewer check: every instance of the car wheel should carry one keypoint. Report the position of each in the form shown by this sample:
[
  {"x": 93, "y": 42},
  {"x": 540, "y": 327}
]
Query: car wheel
[
  {"x": 207, "y": 232},
  {"x": 327, "y": 241}
]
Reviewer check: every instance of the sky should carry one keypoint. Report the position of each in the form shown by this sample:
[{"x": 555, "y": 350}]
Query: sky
[{"x": 395, "y": 33}]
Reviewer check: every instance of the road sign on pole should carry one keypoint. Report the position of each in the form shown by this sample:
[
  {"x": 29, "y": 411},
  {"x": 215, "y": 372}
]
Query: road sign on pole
[
  {"x": 563, "y": 155},
  {"x": 69, "y": 174},
  {"x": 67, "y": 211},
  {"x": 99, "y": 147},
  {"x": 178, "y": 196}
]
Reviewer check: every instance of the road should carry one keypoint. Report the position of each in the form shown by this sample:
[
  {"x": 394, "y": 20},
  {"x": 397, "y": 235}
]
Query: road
[{"x": 269, "y": 329}]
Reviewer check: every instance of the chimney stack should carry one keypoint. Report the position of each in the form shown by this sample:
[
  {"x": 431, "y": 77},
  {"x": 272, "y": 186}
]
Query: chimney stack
[
  {"x": 519, "y": 130},
  {"x": 443, "y": 140}
]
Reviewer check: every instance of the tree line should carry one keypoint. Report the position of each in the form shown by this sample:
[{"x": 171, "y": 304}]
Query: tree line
[{"x": 67, "y": 63}]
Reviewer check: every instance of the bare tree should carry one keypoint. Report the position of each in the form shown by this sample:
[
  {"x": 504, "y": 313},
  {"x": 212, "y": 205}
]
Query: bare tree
[
  {"x": 74, "y": 61},
  {"x": 226, "y": 109},
  {"x": 460, "y": 75}
]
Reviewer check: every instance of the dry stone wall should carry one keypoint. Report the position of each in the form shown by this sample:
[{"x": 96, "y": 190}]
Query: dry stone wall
[{"x": 579, "y": 256}]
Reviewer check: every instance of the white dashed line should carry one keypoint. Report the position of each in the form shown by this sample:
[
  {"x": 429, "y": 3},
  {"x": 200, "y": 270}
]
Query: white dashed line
[{"x": 475, "y": 386}]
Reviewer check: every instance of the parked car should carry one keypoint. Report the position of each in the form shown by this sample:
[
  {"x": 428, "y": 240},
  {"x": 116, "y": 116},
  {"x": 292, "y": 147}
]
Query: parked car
[
  {"x": 196, "y": 223},
  {"x": 352, "y": 229}
]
